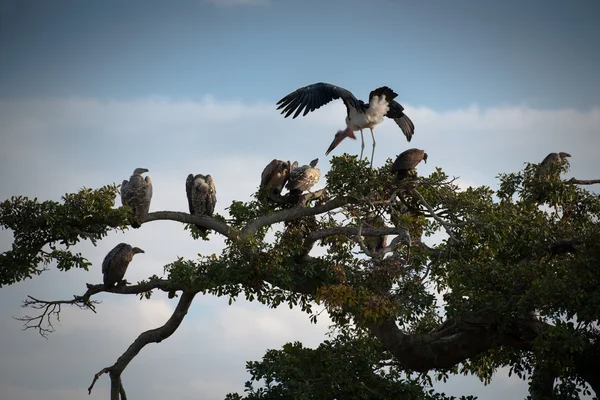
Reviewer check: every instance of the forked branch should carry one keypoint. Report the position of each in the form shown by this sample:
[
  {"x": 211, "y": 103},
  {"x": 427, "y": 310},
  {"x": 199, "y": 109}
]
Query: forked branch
[{"x": 151, "y": 336}]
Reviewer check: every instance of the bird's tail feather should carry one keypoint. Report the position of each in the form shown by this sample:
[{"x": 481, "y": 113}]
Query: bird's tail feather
[{"x": 385, "y": 91}]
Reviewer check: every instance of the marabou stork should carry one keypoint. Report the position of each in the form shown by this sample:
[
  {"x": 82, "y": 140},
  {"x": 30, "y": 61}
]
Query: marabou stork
[
  {"x": 201, "y": 195},
  {"x": 137, "y": 194},
  {"x": 359, "y": 115},
  {"x": 407, "y": 161},
  {"x": 116, "y": 262}
]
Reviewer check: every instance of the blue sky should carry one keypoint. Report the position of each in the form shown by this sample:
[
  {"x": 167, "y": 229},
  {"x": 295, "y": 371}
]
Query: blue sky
[
  {"x": 90, "y": 90},
  {"x": 442, "y": 54}
]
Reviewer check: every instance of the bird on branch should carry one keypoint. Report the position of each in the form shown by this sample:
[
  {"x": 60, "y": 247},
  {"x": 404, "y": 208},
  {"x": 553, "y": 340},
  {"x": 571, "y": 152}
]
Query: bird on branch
[
  {"x": 407, "y": 161},
  {"x": 201, "y": 195},
  {"x": 276, "y": 174},
  {"x": 136, "y": 193},
  {"x": 116, "y": 262},
  {"x": 550, "y": 167},
  {"x": 303, "y": 178},
  {"x": 359, "y": 116}
]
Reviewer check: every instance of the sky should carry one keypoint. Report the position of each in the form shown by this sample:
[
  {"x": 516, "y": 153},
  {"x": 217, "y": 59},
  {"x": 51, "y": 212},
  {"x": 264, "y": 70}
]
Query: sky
[{"x": 90, "y": 91}]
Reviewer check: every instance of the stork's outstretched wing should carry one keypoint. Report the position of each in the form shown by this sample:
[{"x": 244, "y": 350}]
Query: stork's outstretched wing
[
  {"x": 312, "y": 97},
  {"x": 396, "y": 113}
]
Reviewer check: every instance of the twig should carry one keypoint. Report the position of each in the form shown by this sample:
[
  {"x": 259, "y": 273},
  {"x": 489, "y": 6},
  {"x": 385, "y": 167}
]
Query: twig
[
  {"x": 98, "y": 375},
  {"x": 50, "y": 308},
  {"x": 446, "y": 225},
  {"x": 361, "y": 243},
  {"x": 43, "y": 322}
]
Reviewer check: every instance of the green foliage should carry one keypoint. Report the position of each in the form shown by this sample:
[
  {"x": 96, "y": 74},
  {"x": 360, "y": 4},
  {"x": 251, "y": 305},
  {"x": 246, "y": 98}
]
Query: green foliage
[
  {"x": 40, "y": 228},
  {"x": 350, "y": 366},
  {"x": 528, "y": 249}
]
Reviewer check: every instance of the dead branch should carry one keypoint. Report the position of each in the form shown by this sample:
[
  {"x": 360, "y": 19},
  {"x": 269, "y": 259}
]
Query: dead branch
[
  {"x": 151, "y": 336},
  {"x": 98, "y": 375},
  {"x": 52, "y": 309}
]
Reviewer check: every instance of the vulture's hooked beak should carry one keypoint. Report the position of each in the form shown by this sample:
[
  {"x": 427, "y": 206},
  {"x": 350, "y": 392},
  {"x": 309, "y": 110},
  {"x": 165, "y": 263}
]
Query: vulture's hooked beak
[{"x": 339, "y": 136}]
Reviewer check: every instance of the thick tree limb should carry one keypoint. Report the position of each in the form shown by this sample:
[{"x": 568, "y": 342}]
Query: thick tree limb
[
  {"x": 454, "y": 343},
  {"x": 583, "y": 181},
  {"x": 152, "y": 336},
  {"x": 542, "y": 383},
  {"x": 293, "y": 213},
  {"x": 202, "y": 220}
]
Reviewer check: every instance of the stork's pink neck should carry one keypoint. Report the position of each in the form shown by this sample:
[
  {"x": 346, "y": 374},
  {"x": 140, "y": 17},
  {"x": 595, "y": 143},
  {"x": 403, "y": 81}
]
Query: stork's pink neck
[{"x": 349, "y": 133}]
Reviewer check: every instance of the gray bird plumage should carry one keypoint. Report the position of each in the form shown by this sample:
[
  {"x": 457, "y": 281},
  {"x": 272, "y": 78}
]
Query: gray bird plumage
[
  {"x": 116, "y": 262},
  {"x": 201, "y": 195},
  {"x": 304, "y": 178},
  {"x": 136, "y": 193},
  {"x": 276, "y": 174},
  {"x": 407, "y": 161},
  {"x": 550, "y": 167}
]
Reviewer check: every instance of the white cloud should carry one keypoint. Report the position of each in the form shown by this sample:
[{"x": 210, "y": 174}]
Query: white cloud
[{"x": 50, "y": 147}]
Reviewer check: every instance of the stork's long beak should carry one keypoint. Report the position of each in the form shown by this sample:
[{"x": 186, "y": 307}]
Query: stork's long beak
[{"x": 339, "y": 136}]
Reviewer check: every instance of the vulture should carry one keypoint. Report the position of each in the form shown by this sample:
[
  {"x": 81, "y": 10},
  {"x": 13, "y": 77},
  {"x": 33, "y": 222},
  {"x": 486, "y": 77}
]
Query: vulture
[
  {"x": 407, "y": 161},
  {"x": 375, "y": 243},
  {"x": 359, "y": 115},
  {"x": 303, "y": 178},
  {"x": 549, "y": 168},
  {"x": 136, "y": 193},
  {"x": 276, "y": 174},
  {"x": 116, "y": 261},
  {"x": 201, "y": 195}
]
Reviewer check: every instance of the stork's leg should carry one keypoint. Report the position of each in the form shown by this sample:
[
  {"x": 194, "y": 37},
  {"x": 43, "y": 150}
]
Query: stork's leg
[
  {"x": 362, "y": 144},
  {"x": 373, "y": 151}
]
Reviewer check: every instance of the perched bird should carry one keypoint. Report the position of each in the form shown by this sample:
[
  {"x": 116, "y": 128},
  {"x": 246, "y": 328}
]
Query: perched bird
[
  {"x": 201, "y": 195},
  {"x": 137, "y": 193},
  {"x": 276, "y": 174},
  {"x": 407, "y": 161},
  {"x": 549, "y": 168},
  {"x": 375, "y": 243},
  {"x": 116, "y": 262},
  {"x": 303, "y": 178},
  {"x": 359, "y": 115}
]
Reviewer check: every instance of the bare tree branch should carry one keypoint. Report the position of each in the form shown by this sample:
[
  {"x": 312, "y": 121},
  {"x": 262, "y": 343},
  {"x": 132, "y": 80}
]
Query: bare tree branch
[
  {"x": 202, "y": 220},
  {"x": 151, "y": 336},
  {"x": 52, "y": 309},
  {"x": 582, "y": 181},
  {"x": 445, "y": 224},
  {"x": 293, "y": 213}
]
